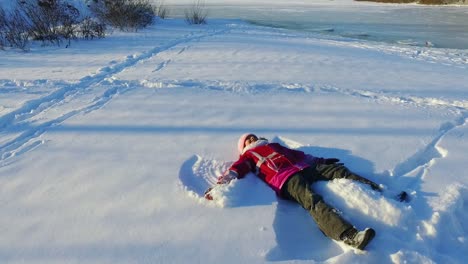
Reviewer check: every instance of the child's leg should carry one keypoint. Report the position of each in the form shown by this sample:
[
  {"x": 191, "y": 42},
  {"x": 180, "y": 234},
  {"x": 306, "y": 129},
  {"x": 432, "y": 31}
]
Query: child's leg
[
  {"x": 326, "y": 217},
  {"x": 338, "y": 170}
]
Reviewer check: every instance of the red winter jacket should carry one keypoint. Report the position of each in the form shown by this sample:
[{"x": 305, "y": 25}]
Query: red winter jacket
[{"x": 273, "y": 163}]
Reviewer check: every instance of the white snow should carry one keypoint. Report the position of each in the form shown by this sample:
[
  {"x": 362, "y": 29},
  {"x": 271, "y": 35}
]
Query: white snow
[{"x": 107, "y": 146}]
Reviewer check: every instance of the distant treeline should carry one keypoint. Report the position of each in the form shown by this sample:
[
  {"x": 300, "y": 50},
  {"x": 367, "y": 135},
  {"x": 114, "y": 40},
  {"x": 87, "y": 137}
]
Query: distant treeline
[{"x": 423, "y": 2}]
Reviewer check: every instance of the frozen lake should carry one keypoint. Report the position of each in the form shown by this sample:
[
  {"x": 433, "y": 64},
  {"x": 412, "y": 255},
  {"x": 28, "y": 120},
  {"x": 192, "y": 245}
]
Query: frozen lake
[{"x": 441, "y": 27}]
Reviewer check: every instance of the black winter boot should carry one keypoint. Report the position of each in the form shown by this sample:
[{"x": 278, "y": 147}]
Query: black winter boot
[{"x": 356, "y": 239}]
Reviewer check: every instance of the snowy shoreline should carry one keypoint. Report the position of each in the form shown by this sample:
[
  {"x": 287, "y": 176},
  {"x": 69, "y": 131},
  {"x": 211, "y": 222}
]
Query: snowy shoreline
[
  {"x": 394, "y": 24},
  {"x": 295, "y": 3}
]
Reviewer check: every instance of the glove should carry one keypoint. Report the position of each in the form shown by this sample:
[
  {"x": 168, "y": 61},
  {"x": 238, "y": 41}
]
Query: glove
[
  {"x": 208, "y": 195},
  {"x": 226, "y": 178},
  {"x": 330, "y": 161},
  {"x": 402, "y": 196}
]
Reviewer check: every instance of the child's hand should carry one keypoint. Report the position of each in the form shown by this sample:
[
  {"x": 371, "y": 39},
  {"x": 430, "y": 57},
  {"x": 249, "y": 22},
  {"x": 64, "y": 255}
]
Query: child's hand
[
  {"x": 208, "y": 195},
  {"x": 226, "y": 178},
  {"x": 330, "y": 161}
]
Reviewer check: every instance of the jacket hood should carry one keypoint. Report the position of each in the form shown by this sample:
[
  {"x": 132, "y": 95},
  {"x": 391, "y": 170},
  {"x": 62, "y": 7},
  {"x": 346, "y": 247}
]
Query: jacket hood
[
  {"x": 241, "y": 141},
  {"x": 260, "y": 142}
]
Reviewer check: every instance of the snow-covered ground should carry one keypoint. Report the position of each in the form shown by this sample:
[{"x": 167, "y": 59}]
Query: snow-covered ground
[{"x": 106, "y": 146}]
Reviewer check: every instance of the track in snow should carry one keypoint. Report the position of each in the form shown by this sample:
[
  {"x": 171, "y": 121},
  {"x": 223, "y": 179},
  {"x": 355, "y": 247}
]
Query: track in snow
[{"x": 21, "y": 118}]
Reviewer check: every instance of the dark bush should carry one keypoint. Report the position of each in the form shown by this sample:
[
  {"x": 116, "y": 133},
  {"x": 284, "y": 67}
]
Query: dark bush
[
  {"x": 124, "y": 14},
  {"x": 2, "y": 27},
  {"x": 14, "y": 30},
  {"x": 196, "y": 14},
  {"x": 51, "y": 21},
  {"x": 90, "y": 29}
]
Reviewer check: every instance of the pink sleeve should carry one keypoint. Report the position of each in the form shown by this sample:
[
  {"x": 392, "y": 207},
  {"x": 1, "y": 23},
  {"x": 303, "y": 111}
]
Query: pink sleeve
[
  {"x": 243, "y": 166},
  {"x": 301, "y": 156}
]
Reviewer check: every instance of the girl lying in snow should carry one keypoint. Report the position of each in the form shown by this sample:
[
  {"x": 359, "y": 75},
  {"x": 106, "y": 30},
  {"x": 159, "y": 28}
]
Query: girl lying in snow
[{"x": 290, "y": 173}]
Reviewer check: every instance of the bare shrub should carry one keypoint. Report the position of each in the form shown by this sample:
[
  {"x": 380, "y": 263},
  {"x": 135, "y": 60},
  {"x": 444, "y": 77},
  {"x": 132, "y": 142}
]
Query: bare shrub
[
  {"x": 14, "y": 29},
  {"x": 90, "y": 29},
  {"x": 196, "y": 14},
  {"x": 162, "y": 11},
  {"x": 2, "y": 27},
  {"x": 51, "y": 21},
  {"x": 69, "y": 22},
  {"x": 124, "y": 14}
]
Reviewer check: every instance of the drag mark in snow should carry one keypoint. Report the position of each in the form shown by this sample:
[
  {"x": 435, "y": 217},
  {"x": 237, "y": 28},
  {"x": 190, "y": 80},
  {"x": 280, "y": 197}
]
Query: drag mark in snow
[
  {"x": 423, "y": 159},
  {"x": 94, "y": 79},
  {"x": 28, "y": 139},
  {"x": 452, "y": 200},
  {"x": 388, "y": 97},
  {"x": 17, "y": 120},
  {"x": 198, "y": 174},
  {"x": 182, "y": 50},
  {"x": 249, "y": 87},
  {"x": 450, "y": 57},
  {"x": 450, "y": 207},
  {"x": 162, "y": 65}
]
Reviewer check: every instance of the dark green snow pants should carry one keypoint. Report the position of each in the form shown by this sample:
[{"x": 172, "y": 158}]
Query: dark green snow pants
[{"x": 297, "y": 188}]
